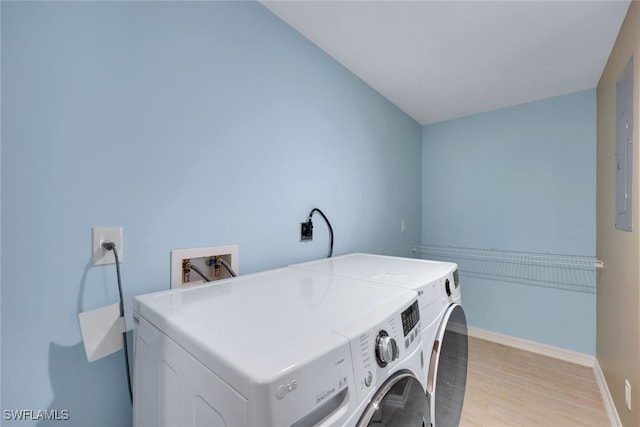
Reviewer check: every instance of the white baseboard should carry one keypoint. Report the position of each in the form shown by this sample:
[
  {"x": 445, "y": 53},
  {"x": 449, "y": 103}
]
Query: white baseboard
[
  {"x": 534, "y": 347},
  {"x": 556, "y": 353},
  {"x": 614, "y": 418}
]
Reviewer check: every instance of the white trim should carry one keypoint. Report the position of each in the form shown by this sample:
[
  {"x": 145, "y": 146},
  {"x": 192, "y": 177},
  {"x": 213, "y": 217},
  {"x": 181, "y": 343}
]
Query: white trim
[
  {"x": 606, "y": 396},
  {"x": 534, "y": 347},
  {"x": 556, "y": 353}
]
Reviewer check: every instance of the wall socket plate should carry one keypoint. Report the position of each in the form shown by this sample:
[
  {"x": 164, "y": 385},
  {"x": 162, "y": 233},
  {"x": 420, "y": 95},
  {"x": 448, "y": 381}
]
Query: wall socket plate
[
  {"x": 101, "y": 234},
  {"x": 306, "y": 231}
]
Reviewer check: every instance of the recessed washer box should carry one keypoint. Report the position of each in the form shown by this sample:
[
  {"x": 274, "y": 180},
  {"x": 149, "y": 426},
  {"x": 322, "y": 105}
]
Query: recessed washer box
[{"x": 188, "y": 264}]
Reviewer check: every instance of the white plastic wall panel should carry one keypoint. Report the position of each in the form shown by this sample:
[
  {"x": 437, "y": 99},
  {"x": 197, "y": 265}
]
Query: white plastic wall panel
[{"x": 624, "y": 148}]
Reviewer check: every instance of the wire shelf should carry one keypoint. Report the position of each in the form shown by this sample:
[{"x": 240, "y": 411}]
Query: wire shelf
[{"x": 567, "y": 272}]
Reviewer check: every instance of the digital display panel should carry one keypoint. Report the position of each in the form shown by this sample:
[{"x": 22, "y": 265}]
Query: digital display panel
[{"x": 410, "y": 317}]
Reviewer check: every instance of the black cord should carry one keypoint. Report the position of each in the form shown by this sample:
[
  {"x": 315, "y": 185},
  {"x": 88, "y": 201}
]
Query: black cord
[
  {"x": 330, "y": 228},
  {"x": 110, "y": 246}
]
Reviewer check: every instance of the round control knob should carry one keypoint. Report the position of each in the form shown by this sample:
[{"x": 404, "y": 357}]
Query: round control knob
[{"x": 386, "y": 349}]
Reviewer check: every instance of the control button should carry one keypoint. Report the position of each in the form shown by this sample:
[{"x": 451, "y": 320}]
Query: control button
[
  {"x": 368, "y": 378},
  {"x": 386, "y": 349}
]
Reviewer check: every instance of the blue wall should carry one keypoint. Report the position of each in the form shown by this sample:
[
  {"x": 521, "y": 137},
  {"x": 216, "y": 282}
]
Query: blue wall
[
  {"x": 523, "y": 179},
  {"x": 189, "y": 125}
]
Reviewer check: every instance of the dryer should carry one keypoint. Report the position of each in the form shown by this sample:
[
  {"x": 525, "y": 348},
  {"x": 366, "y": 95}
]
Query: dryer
[
  {"x": 444, "y": 325},
  {"x": 287, "y": 347}
]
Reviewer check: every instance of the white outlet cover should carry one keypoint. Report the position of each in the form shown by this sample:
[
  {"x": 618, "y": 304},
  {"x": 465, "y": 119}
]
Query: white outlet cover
[{"x": 100, "y": 234}]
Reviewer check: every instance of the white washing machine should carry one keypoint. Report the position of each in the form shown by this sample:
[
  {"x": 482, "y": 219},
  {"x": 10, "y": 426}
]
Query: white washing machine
[
  {"x": 281, "y": 348},
  {"x": 444, "y": 324}
]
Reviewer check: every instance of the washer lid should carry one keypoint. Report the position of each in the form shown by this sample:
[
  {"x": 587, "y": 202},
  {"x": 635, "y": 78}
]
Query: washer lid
[
  {"x": 408, "y": 272},
  {"x": 254, "y": 328}
]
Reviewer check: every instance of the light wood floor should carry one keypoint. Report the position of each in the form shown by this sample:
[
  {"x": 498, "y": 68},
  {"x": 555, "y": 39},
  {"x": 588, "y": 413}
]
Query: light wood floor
[{"x": 511, "y": 387}]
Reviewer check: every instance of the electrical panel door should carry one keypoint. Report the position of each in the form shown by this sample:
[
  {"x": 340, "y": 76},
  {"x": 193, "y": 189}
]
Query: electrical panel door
[{"x": 624, "y": 148}]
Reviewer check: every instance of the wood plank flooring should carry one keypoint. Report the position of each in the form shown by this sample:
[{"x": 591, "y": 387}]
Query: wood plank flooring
[{"x": 511, "y": 387}]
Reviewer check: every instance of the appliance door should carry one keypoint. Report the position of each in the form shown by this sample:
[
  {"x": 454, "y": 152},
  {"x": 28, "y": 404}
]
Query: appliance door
[
  {"x": 447, "y": 378},
  {"x": 400, "y": 402}
]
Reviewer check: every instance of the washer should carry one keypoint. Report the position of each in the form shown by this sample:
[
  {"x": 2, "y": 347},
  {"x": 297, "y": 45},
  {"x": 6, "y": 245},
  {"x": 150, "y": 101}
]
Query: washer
[
  {"x": 444, "y": 325},
  {"x": 388, "y": 361},
  {"x": 286, "y": 347}
]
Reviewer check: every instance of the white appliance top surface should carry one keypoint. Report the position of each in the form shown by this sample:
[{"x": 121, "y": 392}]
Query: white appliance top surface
[
  {"x": 255, "y": 327},
  {"x": 407, "y": 272}
]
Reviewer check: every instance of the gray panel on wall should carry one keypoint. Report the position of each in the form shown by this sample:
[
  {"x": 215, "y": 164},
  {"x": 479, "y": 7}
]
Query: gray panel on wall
[{"x": 624, "y": 147}]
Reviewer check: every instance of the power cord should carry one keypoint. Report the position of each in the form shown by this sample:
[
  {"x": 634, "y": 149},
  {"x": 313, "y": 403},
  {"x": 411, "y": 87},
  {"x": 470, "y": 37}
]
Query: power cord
[
  {"x": 310, "y": 225},
  {"x": 110, "y": 246}
]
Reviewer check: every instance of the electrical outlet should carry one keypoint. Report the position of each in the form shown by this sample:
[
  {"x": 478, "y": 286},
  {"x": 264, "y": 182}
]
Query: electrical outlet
[
  {"x": 306, "y": 231},
  {"x": 627, "y": 394},
  {"x": 403, "y": 225},
  {"x": 101, "y": 234}
]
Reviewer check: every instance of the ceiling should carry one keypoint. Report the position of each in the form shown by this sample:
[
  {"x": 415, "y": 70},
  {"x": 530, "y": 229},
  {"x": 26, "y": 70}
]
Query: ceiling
[{"x": 439, "y": 60}]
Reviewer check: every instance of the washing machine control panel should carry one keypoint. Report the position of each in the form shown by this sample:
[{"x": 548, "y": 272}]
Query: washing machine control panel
[
  {"x": 451, "y": 287},
  {"x": 380, "y": 347}
]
